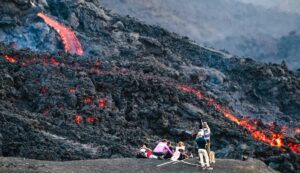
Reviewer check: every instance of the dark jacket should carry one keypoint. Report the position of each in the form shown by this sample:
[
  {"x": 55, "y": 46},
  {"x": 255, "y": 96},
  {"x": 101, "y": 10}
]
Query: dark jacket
[{"x": 200, "y": 143}]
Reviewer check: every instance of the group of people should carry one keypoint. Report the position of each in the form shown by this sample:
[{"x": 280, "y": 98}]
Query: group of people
[{"x": 164, "y": 150}]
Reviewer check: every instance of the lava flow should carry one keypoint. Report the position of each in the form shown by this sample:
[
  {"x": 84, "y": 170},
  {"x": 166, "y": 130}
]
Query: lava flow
[
  {"x": 10, "y": 58},
  {"x": 268, "y": 136},
  {"x": 71, "y": 42}
]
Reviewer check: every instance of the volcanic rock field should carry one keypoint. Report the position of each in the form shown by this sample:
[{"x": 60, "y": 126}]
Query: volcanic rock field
[{"x": 80, "y": 82}]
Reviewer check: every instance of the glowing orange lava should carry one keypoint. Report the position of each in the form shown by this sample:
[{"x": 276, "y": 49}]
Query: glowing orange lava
[
  {"x": 78, "y": 119},
  {"x": 268, "y": 136},
  {"x": 71, "y": 42},
  {"x": 91, "y": 120},
  {"x": 294, "y": 147},
  {"x": 102, "y": 103},
  {"x": 53, "y": 61},
  {"x": 10, "y": 58},
  {"x": 45, "y": 61},
  {"x": 88, "y": 100},
  {"x": 29, "y": 61}
]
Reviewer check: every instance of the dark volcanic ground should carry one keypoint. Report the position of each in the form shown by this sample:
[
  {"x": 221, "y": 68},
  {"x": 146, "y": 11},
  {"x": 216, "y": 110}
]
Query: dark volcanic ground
[
  {"x": 16, "y": 165},
  {"x": 58, "y": 106}
]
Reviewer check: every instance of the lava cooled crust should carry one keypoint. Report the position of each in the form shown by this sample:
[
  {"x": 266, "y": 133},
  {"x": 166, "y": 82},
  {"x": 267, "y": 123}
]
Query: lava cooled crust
[{"x": 121, "y": 82}]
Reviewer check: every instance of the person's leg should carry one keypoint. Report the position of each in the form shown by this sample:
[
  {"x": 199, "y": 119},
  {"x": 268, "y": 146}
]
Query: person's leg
[
  {"x": 208, "y": 146},
  {"x": 206, "y": 158},
  {"x": 157, "y": 154},
  {"x": 166, "y": 154},
  {"x": 208, "y": 150},
  {"x": 200, "y": 153}
]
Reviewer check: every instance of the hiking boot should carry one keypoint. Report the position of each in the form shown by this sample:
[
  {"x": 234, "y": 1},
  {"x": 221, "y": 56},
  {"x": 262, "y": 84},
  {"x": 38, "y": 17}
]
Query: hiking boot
[
  {"x": 202, "y": 165},
  {"x": 209, "y": 168}
]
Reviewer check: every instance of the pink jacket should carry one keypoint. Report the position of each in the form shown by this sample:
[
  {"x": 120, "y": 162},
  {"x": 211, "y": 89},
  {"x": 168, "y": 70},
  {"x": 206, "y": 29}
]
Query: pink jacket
[{"x": 161, "y": 147}]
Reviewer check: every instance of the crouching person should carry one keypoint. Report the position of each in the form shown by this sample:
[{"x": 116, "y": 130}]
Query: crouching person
[
  {"x": 203, "y": 155},
  {"x": 162, "y": 150}
]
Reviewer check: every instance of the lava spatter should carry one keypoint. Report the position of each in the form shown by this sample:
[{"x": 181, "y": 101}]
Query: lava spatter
[
  {"x": 91, "y": 120},
  {"x": 88, "y": 100},
  {"x": 71, "y": 42},
  {"x": 102, "y": 103},
  {"x": 78, "y": 119}
]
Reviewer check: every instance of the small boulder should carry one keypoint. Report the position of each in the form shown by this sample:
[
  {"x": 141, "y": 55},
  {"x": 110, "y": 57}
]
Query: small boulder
[{"x": 118, "y": 25}]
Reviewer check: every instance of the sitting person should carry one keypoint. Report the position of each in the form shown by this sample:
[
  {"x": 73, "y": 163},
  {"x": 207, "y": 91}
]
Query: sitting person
[
  {"x": 179, "y": 153},
  {"x": 162, "y": 150},
  {"x": 201, "y": 146},
  {"x": 145, "y": 152}
]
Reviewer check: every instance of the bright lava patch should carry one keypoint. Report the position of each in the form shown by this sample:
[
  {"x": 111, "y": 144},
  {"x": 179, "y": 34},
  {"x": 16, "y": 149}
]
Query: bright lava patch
[
  {"x": 71, "y": 42},
  {"x": 268, "y": 136},
  {"x": 10, "y": 58}
]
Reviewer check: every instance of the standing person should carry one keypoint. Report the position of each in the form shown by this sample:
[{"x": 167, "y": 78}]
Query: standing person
[
  {"x": 162, "y": 150},
  {"x": 201, "y": 146},
  {"x": 207, "y": 134}
]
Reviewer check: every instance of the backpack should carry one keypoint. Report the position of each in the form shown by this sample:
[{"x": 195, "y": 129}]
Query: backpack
[{"x": 200, "y": 141}]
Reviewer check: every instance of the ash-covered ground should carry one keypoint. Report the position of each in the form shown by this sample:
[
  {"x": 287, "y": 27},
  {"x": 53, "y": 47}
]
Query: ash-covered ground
[{"x": 125, "y": 90}]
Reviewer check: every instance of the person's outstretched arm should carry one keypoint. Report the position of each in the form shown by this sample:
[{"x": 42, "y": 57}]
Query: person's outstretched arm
[
  {"x": 148, "y": 148},
  {"x": 171, "y": 152}
]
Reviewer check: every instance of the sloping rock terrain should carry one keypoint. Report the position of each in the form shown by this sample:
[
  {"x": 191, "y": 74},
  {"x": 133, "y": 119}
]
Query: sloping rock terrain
[
  {"x": 16, "y": 165},
  {"x": 124, "y": 90},
  {"x": 244, "y": 29}
]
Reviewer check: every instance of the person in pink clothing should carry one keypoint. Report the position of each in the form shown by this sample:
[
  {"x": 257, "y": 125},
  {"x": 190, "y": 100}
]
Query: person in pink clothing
[{"x": 162, "y": 150}]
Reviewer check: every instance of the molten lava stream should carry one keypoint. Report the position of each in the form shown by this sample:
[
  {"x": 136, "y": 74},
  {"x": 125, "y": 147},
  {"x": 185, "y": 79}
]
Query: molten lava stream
[
  {"x": 268, "y": 136},
  {"x": 10, "y": 58},
  {"x": 71, "y": 42}
]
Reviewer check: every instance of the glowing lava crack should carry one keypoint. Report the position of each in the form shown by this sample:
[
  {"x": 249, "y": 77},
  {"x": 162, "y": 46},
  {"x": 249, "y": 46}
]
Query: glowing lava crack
[
  {"x": 71, "y": 42},
  {"x": 268, "y": 136}
]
